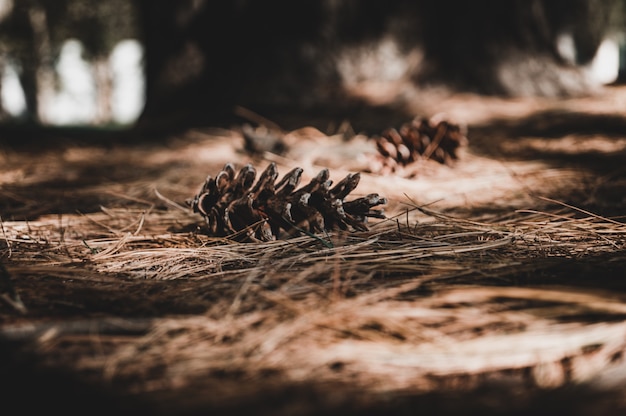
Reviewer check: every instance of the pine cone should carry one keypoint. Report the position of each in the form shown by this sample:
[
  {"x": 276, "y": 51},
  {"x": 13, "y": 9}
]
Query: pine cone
[
  {"x": 262, "y": 139},
  {"x": 421, "y": 138},
  {"x": 236, "y": 205}
]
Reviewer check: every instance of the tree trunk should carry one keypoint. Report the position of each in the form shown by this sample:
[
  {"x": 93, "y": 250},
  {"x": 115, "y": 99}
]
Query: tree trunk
[
  {"x": 4, "y": 115},
  {"x": 103, "y": 79},
  {"x": 43, "y": 61}
]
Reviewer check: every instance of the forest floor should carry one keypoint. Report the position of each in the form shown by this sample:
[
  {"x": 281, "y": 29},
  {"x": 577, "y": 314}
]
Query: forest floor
[{"x": 496, "y": 285}]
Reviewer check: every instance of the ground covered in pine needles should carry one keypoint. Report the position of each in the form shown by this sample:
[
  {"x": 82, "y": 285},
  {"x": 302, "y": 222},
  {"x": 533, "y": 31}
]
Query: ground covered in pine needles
[{"x": 495, "y": 285}]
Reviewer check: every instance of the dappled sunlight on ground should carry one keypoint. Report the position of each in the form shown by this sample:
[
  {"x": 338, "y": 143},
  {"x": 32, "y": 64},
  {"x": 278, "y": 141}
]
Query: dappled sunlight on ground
[{"x": 504, "y": 268}]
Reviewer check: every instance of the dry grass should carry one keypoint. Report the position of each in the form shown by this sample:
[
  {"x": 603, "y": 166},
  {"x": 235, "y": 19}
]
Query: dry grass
[
  {"x": 407, "y": 305},
  {"x": 474, "y": 278}
]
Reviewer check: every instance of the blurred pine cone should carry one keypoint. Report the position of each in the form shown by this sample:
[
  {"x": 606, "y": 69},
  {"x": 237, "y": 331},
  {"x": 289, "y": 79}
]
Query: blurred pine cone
[
  {"x": 421, "y": 138},
  {"x": 262, "y": 139},
  {"x": 233, "y": 204}
]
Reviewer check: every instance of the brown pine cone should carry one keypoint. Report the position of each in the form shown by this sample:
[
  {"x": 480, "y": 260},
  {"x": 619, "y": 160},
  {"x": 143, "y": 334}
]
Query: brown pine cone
[
  {"x": 233, "y": 204},
  {"x": 421, "y": 138},
  {"x": 262, "y": 139}
]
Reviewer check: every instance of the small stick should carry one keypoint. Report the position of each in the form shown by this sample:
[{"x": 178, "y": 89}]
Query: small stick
[
  {"x": 4, "y": 233},
  {"x": 256, "y": 118},
  {"x": 8, "y": 292},
  {"x": 104, "y": 326}
]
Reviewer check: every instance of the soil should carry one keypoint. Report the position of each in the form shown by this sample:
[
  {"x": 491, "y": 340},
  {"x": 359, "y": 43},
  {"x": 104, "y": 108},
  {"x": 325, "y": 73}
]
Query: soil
[{"x": 67, "y": 195}]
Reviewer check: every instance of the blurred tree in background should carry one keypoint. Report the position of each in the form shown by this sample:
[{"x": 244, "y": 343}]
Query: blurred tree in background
[
  {"x": 32, "y": 33},
  {"x": 510, "y": 47},
  {"x": 204, "y": 57}
]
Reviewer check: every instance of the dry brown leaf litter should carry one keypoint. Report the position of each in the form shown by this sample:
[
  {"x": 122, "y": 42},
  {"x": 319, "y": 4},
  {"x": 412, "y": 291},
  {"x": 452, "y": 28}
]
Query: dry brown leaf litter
[
  {"x": 423, "y": 302},
  {"x": 374, "y": 305}
]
